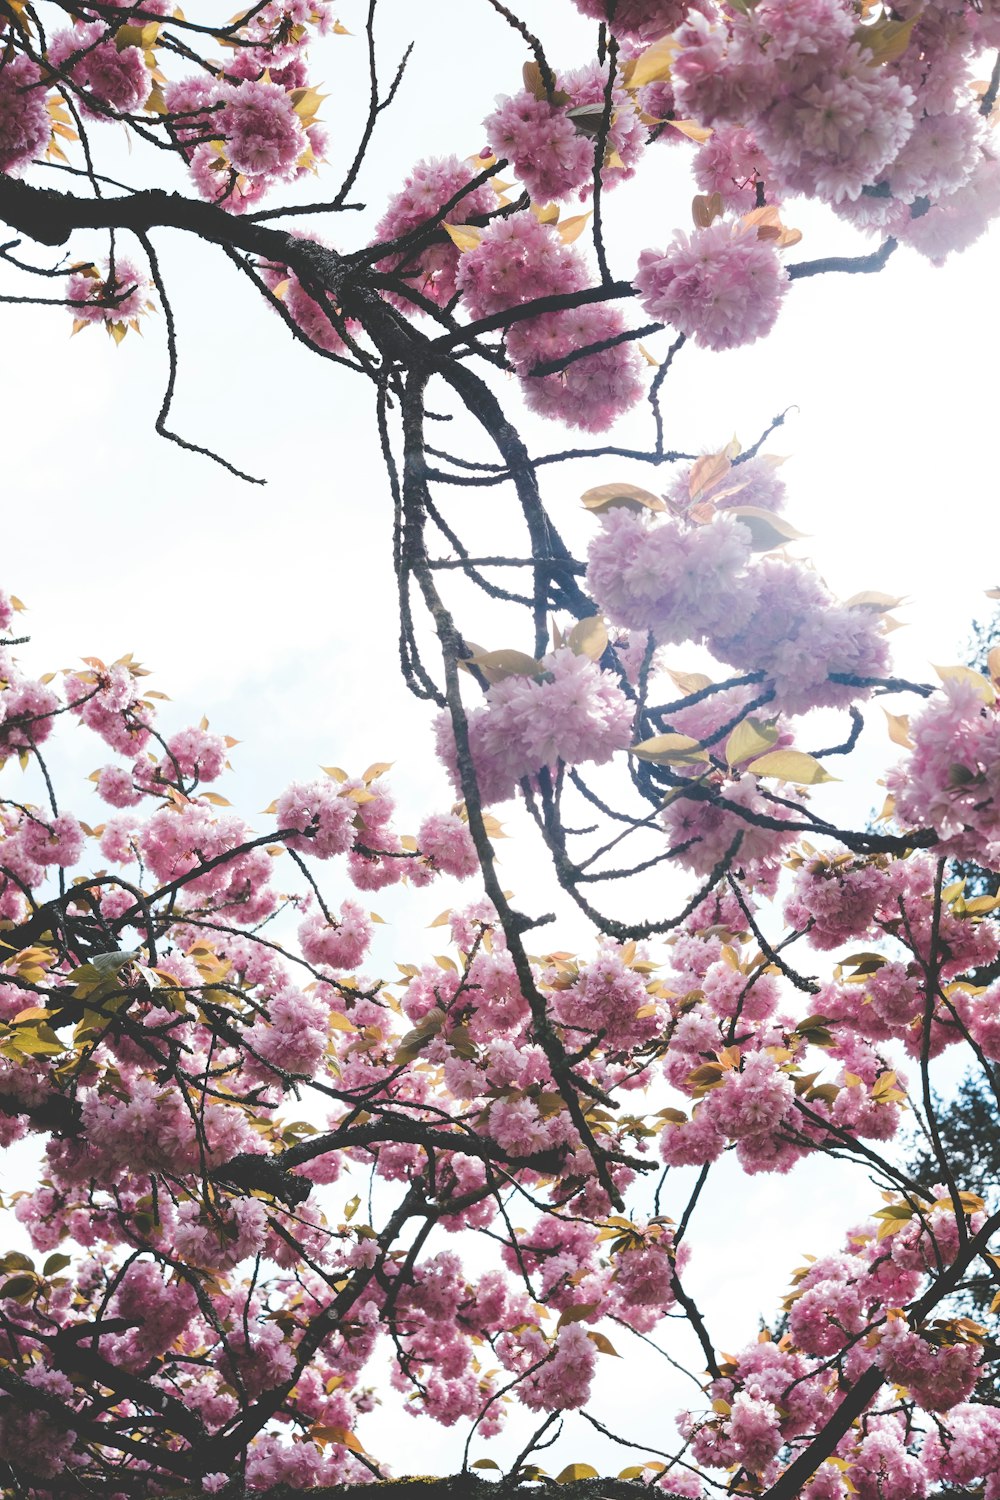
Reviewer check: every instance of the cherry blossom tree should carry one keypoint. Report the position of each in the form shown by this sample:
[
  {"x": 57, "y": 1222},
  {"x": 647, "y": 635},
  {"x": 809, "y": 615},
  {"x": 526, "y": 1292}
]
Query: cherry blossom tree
[{"x": 265, "y": 1167}]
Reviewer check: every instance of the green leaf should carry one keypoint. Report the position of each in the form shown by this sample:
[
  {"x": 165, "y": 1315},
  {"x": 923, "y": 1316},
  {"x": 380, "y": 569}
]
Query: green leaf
[
  {"x": 19, "y": 1287},
  {"x": 588, "y": 638},
  {"x": 669, "y": 749},
  {"x": 766, "y": 529},
  {"x": 792, "y": 765},
  {"x": 965, "y": 674},
  {"x": 496, "y": 665},
  {"x": 37, "y": 1041},
  {"x": 609, "y": 496},
  {"x": 55, "y": 1264},
  {"x": 749, "y": 739}
]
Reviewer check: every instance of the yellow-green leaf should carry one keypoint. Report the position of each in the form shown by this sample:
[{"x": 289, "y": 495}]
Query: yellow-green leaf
[
  {"x": 463, "y": 236},
  {"x": 653, "y": 65},
  {"x": 496, "y": 665},
  {"x": 965, "y": 674},
  {"x": 669, "y": 749},
  {"x": 792, "y": 765},
  {"x": 899, "y": 729},
  {"x": 589, "y": 637},
  {"x": 577, "y": 1471},
  {"x": 749, "y": 739},
  {"x": 607, "y": 496},
  {"x": 766, "y": 529},
  {"x": 571, "y": 229}
]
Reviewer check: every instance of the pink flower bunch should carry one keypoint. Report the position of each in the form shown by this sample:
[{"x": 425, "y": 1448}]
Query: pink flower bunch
[
  {"x": 959, "y": 218},
  {"x": 340, "y": 944},
  {"x": 25, "y": 124},
  {"x": 432, "y": 267},
  {"x": 159, "y": 1310},
  {"x": 519, "y": 260},
  {"x": 938, "y": 1376},
  {"x": 324, "y": 814},
  {"x": 178, "y": 841},
  {"x": 756, "y": 1099},
  {"x": 634, "y": 18},
  {"x": 592, "y": 391},
  {"x": 966, "y": 1449},
  {"x": 573, "y": 713},
  {"x": 445, "y": 841},
  {"x": 703, "y": 832},
  {"x": 732, "y": 164},
  {"x": 264, "y": 136},
  {"x": 551, "y": 155},
  {"x": 679, "y": 581},
  {"x": 951, "y": 779},
  {"x": 50, "y": 841},
  {"x": 26, "y": 709},
  {"x": 240, "y": 138},
  {"x": 800, "y": 637},
  {"x": 562, "y": 1383},
  {"x": 939, "y": 158},
  {"x": 721, "y": 286},
  {"x": 103, "y": 73},
  {"x": 120, "y": 294},
  {"x": 880, "y": 1465},
  {"x": 827, "y": 121},
  {"x": 830, "y": 138},
  {"x": 836, "y": 902},
  {"x": 642, "y": 1290},
  {"x": 608, "y": 997}
]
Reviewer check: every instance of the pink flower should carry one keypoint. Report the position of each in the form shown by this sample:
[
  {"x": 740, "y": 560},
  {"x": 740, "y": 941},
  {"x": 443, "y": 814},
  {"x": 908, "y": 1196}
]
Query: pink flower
[
  {"x": 324, "y": 816},
  {"x": 445, "y": 840},
  {"x": 636, "y": 17},
  {"x": 118, "y": 78},
  {"x": 25, "y": 124},
  {"x": 120, "y": 294},
  {"x": 341, "y": 944},
  {"x": 432, "y": 268},
  {"x": 720, "y": 286},
  {"x": 263, "y": 134},
  {"x": 575, "y": 713}
]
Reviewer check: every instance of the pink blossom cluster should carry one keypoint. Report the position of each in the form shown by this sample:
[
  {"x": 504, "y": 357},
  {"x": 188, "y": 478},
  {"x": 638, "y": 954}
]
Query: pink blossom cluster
[
  {"x": 572, "y": 713},
  {"x": 681, "y": 582},
  {"x": 950, "y": 781},
  {"x": 732, "y": 164},
  {"x": 801, "y": 102},
  {"x": 431, "y": 264},
  {"x": 242, "y": 136},
  {"x": 721, "y": 286},
  {"x": 107, "y": 80},
  {"x": 25, "y": 124},
  {"x": 635, "y": 18},
  {"x": 520, "y": 260},
  {"x": 550, "y": 152},
  {"x": 121, "y": 293},
  {"x": 767, "y": 615}
]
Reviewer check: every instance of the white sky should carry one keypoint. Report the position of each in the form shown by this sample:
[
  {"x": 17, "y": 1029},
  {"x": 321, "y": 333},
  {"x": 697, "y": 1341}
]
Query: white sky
[{"x": 272, "y": 610}]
